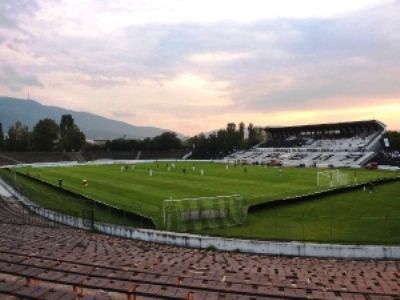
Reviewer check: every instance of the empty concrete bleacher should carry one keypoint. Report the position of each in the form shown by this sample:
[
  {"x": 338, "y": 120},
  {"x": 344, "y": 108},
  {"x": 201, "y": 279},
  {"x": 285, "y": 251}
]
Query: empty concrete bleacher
[
  {"x": 130, "y": 155},
  {"x": 57, "y": 262},
  {"x": 88, "y": 263},
  {"x": 8, "y": 158},
  {"x": 13, "y": 212}
]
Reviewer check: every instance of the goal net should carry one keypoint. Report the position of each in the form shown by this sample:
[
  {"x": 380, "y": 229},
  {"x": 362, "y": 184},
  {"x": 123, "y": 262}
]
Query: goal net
[
  {"x": 332, "y": 178},
  {"x": 203, "y": 212}
]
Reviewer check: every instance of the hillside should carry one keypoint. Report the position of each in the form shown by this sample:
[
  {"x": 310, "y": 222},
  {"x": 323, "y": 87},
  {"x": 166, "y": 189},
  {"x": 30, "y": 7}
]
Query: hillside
[{"x": 94, "y": 126}]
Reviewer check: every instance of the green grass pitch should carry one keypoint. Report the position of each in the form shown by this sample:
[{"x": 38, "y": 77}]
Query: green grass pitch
[
  {"x": 135, "y": 186},
  {"x": 357, "y": 217},
  {"x": 334, "y": 218}
]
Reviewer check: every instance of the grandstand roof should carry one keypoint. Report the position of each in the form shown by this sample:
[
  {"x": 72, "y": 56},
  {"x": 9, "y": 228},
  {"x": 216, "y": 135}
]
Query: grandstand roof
[{"x": 356, "y": 124}]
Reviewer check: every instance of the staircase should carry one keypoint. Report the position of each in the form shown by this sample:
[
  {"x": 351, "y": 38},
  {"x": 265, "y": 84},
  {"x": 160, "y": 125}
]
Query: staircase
[
  {"x": 138, "y": 155},
  {"x": 186, "y": 156}
]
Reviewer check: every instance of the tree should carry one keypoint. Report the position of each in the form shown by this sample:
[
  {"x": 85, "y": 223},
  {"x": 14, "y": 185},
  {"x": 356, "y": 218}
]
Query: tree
[
  {"x": 203, "y": 146},
  {"x": 45, "y": 135},
  {"x": 241, "y": 130},
  {"x": 167, "y": 141},
  {"x": 72, "y": 138},
  {"x": 251, "y": 134},
  {"x": 18, "y": 137},
  {"x": 120, "y": 144},
  {"x": 232, "y": 139},
  {"x": 231, "y": 127},
  {"x": 394, "y": 139},
  {"x": 224, "y": 141},
  {"x": 1, "y": 137},
  {"x": 67, "y": 123}
]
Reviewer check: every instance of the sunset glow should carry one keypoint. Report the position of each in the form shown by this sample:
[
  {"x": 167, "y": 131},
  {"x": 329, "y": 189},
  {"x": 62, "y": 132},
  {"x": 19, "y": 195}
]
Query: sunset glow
[{"x": 193, "y": 66}]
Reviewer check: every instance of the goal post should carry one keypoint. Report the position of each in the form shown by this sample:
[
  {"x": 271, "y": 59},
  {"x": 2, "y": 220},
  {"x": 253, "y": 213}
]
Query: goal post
[
  {"x": 332, "y": 178},
  {"x": 342, "y": 178},
  {"x": 203, "y": 212},
  {"x": 324, "y": 178}
]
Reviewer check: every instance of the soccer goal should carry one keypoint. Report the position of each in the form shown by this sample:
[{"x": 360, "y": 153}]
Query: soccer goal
[
  {"x": 203, "y": 212},
  {"x": 332, "y": 178}
]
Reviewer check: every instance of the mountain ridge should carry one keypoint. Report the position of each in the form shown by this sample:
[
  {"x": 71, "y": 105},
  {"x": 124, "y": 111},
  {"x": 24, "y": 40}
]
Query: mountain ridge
[{"x": 30, "y": 111}]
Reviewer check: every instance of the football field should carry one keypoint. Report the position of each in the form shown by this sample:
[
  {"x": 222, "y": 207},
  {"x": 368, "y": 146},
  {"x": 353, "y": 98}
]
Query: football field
[
  {"x": 358, "y": 217},
  {"x": 145, "y": 186}
]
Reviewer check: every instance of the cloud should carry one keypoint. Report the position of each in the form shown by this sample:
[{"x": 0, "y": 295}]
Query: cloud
[
  {"x": 11, "y": 11},
  {"x": 94, "y": 55},
  {"x": 218, "y": 57},
  {"x": 16, "y": 81},
  {"x": 110, "y": 15}
]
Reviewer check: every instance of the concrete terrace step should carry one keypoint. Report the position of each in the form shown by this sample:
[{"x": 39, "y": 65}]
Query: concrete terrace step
[{"x": 98, "y": 262}]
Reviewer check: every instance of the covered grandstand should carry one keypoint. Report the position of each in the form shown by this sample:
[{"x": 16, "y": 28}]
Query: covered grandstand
[{"x": 348, "y": 144}]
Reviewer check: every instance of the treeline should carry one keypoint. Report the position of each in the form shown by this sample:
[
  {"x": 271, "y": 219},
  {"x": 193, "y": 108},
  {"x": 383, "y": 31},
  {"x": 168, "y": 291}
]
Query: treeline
[
  {"x": 225, "y": 141},
  {"x": 215, "y": 145},
  {"x": 394, "y": 139},
  {"x": 46, "y": 135},
  {"x": 165, "y": 141}
]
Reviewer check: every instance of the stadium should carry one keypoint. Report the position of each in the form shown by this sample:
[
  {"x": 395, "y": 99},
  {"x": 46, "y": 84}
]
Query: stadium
[
  {"x": 350, "y": 144},
  {"x": 182, "y": 228},
  {"x": 199, "y": 150}
]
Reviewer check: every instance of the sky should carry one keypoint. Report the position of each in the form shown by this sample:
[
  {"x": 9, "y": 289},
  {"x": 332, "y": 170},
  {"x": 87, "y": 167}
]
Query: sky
[{"x": 192, "y": 66}]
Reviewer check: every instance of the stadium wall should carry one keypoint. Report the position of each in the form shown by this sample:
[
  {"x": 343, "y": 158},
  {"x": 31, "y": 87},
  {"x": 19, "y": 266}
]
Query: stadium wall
[
  {"x": 252, "y": 246},
  {"x": 225, "y": 244}
]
